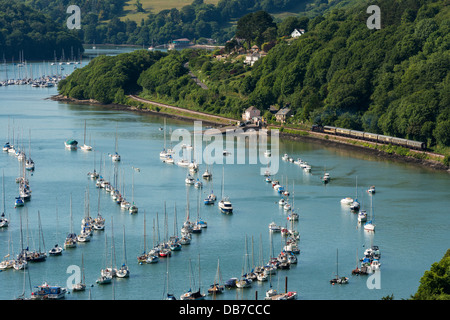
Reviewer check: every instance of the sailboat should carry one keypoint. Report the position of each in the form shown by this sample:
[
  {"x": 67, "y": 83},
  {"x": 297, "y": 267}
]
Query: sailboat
[
  {"x": 116, "y": 155},
  {"x": 369, "y": 225},
  {"x": 166, "y": 154},
  {"x": 133, "y": 207},
  {"x": 245, "y": 281},
  {"x": 355, "y": 204},
  {"x": 85, "y": 147},
  {"x": 169, "y": 296},
  {"x": 56, "y": 250},
  {"x": 224, "y": 204},
  {"x": 3, "y": 220},
  {"x": 105, "y": 277},
  {"x": 216, "y": 287},
  {"x": 337, "y": 279},
  {"x": 123, "y": 271},
  {"x": 71, "y": 239},
  {"x": 94, "y": 174},
  {"x": 29, "y": 163},
  {"x": 99, "y": 222},
  {"x": 190, "y": 295},
  {"x": 80, "y": 286},
  {"x": 39, "y": 255}
]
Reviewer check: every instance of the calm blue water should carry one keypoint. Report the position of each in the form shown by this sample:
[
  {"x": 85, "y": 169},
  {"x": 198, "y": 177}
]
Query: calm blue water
[{"x": 411, "y": 209}]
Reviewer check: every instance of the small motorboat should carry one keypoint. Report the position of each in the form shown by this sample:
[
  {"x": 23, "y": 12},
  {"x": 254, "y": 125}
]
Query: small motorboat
[
  {"x": 115, "y": 157},
  {"x": 339, "y": 280},
  {"x": 274, "y": 227},
  {"x": 362, "y": 216},
  {"x": 71, "y": 144},
  {"x": 371, "y": 190},
  {"x": 19, "y": 202},
  {"x": 207, "y": 175},
  {"x": 211, "y": 199},
  {"x": 104, "y": 279},
  {"x": 225, "y": 206},
  {"x": 347, "y": 201},
  {"x": 55, "y": 251},
  {"x": 189, "y": 180},
  {"x": 198, "y": 184},
  {"x": 326, "y": 178},
  {"x": 46, "y": 292}
]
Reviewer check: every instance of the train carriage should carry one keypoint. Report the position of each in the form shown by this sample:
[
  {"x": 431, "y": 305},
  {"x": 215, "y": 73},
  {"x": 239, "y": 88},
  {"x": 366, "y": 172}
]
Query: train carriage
[
  {"x": 357, "y": 134},
  {"x": 343, "y": 132},
  {"x": 370, "y": 136},
  {"x": 399, "y": 141},
  {"x": 416, "y": 144},
  {"x": 384, "y": 139},
  {"x": 329, "y": 129}
]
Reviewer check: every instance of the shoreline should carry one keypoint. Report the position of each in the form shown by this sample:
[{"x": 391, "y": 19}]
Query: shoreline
[{"x": 309, "y": 137}]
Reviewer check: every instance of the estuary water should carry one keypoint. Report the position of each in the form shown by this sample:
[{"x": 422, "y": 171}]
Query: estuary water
[{"x": 411, "y": 209}]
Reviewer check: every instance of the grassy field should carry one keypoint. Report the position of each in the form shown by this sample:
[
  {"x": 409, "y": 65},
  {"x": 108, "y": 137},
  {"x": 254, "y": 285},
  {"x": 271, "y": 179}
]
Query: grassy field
[{"x": 154, "y": 6}]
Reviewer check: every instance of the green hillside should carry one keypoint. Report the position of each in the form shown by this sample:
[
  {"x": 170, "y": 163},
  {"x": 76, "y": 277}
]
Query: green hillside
[{"x": 393, "y": 81}]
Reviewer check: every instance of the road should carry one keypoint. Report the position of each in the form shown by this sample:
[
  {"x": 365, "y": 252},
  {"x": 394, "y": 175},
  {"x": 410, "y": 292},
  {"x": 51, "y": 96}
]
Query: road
[{"x": 194, "y": 113}]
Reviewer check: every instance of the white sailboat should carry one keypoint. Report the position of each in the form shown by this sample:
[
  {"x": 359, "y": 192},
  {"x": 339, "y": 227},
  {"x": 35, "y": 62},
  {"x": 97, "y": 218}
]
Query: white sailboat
[
  {"x": 337, "y": 279},
  {"x": 225, "y": 205},
  {"x": 56, "y": 250},
  {"x": 166, "y": 154},
  {"x": 71, "y": 239},
  {"x": 3, "y": 220},
  {"x": 85, "y": 147},
  {"x": 29, "y": 163},
  {"x": 133, "y": 207},
  {"x": 124, "y": 271},
  {"x": 355, "y": 204},
  {"x": 193, "y": 295},
  {"x": 80, "y": 286},
  {"x": 116, "y": 155},
  {"x": 369, "y": 225},
  {"x": 217, "y": 287}
]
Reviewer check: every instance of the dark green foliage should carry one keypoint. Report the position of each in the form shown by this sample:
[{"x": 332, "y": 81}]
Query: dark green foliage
[
  {"x": 30, "y": 35},
  {"x": 107, "y": 79},
  {"x": 393, "y": 81},
  {"x": 435, "y": 283}
]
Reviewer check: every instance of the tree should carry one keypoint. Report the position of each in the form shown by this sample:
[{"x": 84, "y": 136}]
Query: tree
[
  {"x": 139, "y": 7},
  {"x": 435, "y": 283},
  {"x": 252, "y": 27}
]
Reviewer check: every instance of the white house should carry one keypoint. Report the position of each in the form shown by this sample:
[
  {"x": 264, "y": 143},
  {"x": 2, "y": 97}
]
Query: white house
[
  {"x": 251, "y": 58},
  {"x": 250, "y": 113},
  {"x": 297, "y": 33}
]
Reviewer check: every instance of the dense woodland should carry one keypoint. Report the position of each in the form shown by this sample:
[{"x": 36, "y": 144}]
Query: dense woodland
[
  {"x": 394, "y": 81},
  {"x": 102, "y": 20},
  {"x": 435, "y": 283},
  {"x": 28, "y": 34}
]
